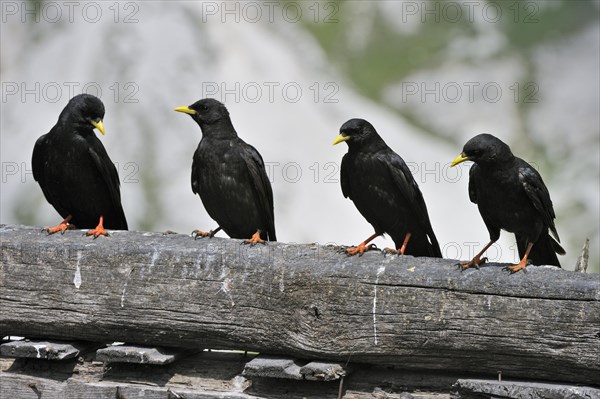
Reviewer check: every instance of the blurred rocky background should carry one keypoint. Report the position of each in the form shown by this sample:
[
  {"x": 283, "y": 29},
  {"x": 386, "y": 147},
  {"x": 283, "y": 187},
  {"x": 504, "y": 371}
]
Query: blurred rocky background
[{"x": 427, "y": 74}]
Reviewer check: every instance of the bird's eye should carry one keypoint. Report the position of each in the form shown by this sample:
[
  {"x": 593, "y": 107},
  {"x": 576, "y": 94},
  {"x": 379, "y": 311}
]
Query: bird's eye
[{"x": 204, "y": 108}]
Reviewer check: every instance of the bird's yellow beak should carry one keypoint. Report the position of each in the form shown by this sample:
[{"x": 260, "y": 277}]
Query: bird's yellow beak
[
  {"x": 98, "y": 125},
  {"x": 459, "y": 159},
  {"x": 340, "y": 138},
  {"x": 186, "y": 110}
]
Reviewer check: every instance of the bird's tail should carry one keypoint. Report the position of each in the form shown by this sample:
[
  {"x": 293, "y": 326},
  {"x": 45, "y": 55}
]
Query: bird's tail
[
  {"x": 543, "y": 251},
  {"x": 436, "y": 252}
]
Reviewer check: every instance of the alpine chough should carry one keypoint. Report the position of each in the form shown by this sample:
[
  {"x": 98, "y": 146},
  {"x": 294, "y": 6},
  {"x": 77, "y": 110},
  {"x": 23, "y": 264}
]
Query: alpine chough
[
  {"x": 510, "y": 195},
  {"x": 76, "y": 174},
  {"x": 230, "y": 177},
  {"x": 383, "y": 189}
]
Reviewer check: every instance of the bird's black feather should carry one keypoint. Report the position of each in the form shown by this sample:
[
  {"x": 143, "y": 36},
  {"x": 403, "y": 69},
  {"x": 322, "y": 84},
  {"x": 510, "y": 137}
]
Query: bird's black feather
[
  {"x": 384, "y": 191},
  {"x": 229, "y": 176},
  {"x": 74, "y": 170},
  {"x": 512, "y": 196}
]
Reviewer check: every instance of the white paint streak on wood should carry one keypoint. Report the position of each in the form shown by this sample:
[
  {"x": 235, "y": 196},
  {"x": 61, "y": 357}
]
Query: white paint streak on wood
[
  {"x": 380, "y": 271},
  {"x": 77, "y": 278}
]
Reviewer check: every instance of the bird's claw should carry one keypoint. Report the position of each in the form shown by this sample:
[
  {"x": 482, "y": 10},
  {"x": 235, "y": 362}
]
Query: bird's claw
[
  {"x": 475, "y": 262},
  {"x": 255, "y": 239},
  {"x": 98, "y": 230},
  {"x": 515, "y": 268},
  {"x": 201, "y": 234},
  {"x": 360, "y": 249},
  {"x": 96, "y": 233},
  {"x": 61, "y": 227},
  {"x": 252, "y": 243},
  {"x": 391, "y": 251}
]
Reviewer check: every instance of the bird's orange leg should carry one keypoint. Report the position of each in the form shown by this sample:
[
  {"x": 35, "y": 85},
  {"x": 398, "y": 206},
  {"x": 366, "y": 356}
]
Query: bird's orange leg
[
  {"x": 477, "y": 260},
  {"x": 523, "y": 263},
  {"x": 255, "y": 239},
  {"x": 62, "y": 226},
  {"x": 99, "y": 230},
  {"x": 362, "y": 247},
  {"x": 201, "y": 234},
  {"x": 402, "y": 248}
]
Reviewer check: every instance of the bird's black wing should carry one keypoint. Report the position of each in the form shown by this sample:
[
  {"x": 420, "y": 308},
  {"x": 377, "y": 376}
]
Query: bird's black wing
[
  {"x": 262, "y": 187},
  {"x": 536, "y": 190},
  {"x": 38, "y": 161},
  {"x": 473, "y": 182},
  {"x": 409, "y": 189},
  {"x": 195, "y": 182},
  {"x": 345, "y": 171},
  {"x": 109, "y": 174}
]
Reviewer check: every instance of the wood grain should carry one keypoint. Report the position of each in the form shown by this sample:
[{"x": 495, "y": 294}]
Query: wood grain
[{"x": 306, "y": 301}]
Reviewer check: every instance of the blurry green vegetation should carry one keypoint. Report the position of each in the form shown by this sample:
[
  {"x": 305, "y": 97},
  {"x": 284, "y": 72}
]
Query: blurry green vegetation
[
  {"x": 532, "y": 23},
  {"x": 387, "y": 55}
]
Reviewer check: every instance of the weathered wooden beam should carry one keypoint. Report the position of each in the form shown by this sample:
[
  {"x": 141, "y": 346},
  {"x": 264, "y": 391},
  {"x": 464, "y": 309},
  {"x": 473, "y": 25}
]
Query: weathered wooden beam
[
  {"x": 306, "y": 301},
  {"x": 273, "y": 367},
  {"x": 138, "y": 354},
  {"x": 205, "y": 375},
  {"x": 521, "y": 390},
  {"x": 54, "y": 350}
]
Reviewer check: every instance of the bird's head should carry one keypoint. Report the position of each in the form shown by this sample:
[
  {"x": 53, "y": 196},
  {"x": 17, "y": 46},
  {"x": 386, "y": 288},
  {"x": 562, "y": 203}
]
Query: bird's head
[
  {"x": 85, "y": 111},
  {"x": 484, "y": 149},
  {"x": 206, "y": 112},
  {"x": 357, "y": 133}
]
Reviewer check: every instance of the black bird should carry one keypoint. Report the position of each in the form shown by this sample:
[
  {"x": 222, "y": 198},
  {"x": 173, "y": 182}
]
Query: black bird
[
  {"x": 230, "y": 177},
  {"x": 75, "y": 173},
  {"x": 383, "y": 189},
  {"x": 510, "y": 195}
]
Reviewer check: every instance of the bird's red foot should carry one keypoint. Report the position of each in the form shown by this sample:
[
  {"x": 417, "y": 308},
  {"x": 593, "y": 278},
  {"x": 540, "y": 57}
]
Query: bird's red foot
[
  {"x": 522, "y": 265},
  {"x": 255, "y": 239},
  {"x": 99, "y": 230},
  {"x": 475, "y": 262},
  {"x": 402, "y": 248},
  {"x": 360, "y": 249},
  {"x": 62, "y": 227},
  {"x": 201, "y": 234}
]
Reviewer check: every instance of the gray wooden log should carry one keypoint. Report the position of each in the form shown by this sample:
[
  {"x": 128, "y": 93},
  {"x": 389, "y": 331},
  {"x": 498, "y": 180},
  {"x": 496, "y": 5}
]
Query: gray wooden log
[
  {"x": 50, "y": 350},
  {"x": 273, "y": 367},
  {"x": 206, "y": 375},
  {"x": 322, "y": 371},
  {"x": 138, "y": 354},
  {"x": 304, "y": 301},
  {"x": 473, "y": 389}
]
